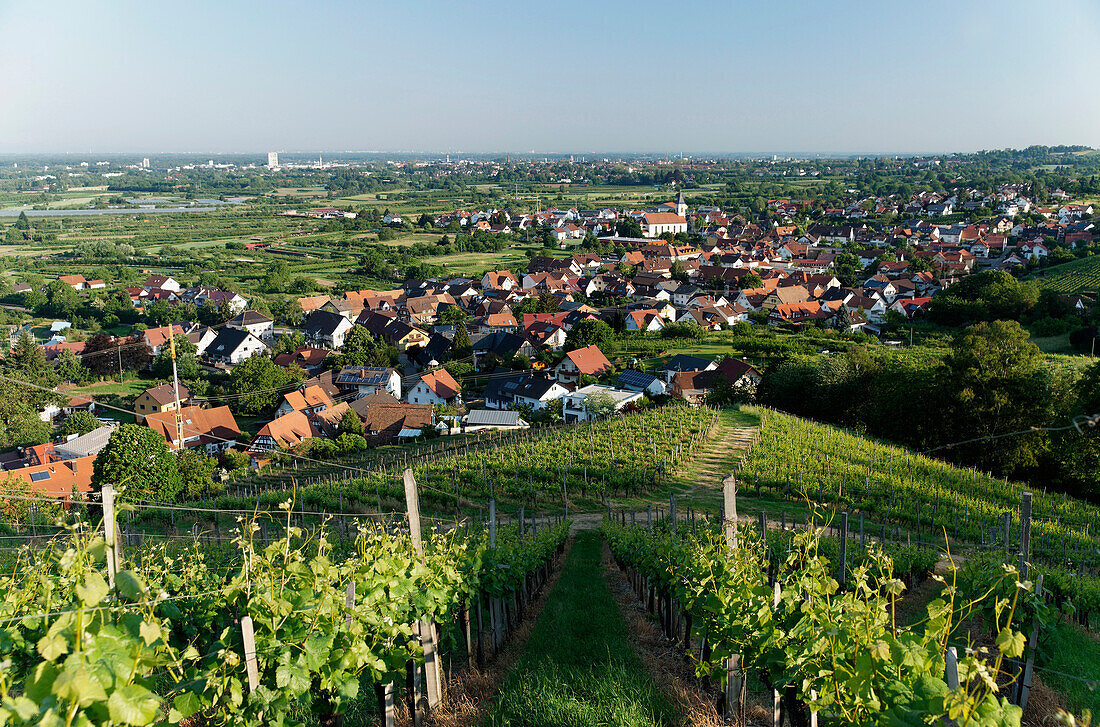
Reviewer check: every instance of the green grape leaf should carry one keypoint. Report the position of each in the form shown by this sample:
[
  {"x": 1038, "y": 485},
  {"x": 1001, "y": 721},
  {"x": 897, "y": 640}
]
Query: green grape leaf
[
  {"x": 1011, "y": 643},
  {"x": 94, "y": 590},
  {"x": 133, "y": 705},
  {"x": 129, "y": 585},
  {"x": 79, "y": 686}
]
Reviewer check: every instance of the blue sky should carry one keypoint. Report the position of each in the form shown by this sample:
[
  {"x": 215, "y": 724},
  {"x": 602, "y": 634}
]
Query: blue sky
[{"x": 605, "y": 75}]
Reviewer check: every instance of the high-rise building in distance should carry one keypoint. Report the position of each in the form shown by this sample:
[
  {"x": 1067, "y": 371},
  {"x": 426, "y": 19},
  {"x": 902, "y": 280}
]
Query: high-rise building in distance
[{"x": 272, "y": 159}]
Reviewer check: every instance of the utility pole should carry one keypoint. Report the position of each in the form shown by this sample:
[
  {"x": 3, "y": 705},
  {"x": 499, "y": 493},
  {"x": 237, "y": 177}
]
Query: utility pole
[{"x": 176, "y": 386}]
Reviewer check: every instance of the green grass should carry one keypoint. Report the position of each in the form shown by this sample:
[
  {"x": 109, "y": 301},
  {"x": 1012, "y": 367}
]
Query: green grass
[
  {"x": 129, "y": 387},
  {"x": 579, "y": 667},
  {"x": 1069, "y": 650},
  {"x": 1054, "y": 344}
]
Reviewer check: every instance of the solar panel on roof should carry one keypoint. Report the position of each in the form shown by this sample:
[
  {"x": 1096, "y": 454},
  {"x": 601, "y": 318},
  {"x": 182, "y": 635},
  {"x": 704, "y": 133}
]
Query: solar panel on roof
[{"x": 39, "y": 476}]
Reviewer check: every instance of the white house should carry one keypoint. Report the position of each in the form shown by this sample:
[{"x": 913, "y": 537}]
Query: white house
[
  {"x": 658, "y": 223},
  {"x": 537, "y": 392},
  {"x": 575, "y": 406},
  {"x": 365, "y": 380},
  {"x": 233, "y": 346},
  {"x": 437, "y": 388},
  {"x": 326, "y": 328},
  {"x": 255, "y": 323},
  {"x": 644, "y": 320}
]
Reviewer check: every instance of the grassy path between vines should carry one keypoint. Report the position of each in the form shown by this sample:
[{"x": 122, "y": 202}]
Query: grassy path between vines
[{"x": 579, "y": 667}]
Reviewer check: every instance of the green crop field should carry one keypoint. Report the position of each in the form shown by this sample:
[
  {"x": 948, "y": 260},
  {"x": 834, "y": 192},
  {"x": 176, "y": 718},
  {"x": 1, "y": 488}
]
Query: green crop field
[{"x": 1078, "y": 276}]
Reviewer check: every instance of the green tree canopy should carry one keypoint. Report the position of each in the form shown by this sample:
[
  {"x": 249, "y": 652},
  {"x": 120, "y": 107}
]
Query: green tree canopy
[
  {"x": 260, "y": 384},
  {"x": 187, "y": 360},
  {"x": 461, "y": 344},
  {"x": 588, "y": 332},
  {"x": 986, "y": 296},
  {"x": 80, "y": 422},
  {"x": 138, "y": 463}
]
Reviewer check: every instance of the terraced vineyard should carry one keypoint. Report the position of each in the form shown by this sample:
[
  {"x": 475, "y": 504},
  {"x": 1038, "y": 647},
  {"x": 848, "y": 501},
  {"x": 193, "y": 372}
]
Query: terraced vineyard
[
  {"x": 801, "y": 459},
  {"x": 1078, "y": 276},
  {"x": 581, "y": 464}
]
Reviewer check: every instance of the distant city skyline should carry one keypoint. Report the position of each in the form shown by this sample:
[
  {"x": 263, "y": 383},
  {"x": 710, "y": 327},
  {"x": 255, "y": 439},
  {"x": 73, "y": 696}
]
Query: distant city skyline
[{"x": 842, "y": 78}]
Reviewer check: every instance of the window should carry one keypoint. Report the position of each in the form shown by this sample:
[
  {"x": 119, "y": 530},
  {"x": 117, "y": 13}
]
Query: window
[{"x": 39, "y": 476}]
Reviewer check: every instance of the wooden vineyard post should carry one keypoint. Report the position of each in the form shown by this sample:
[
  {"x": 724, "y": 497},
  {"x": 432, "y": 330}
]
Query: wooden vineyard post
[
  {"x": 777, "y": 698},
  {"x": 862, "y": 542},
  {"x": 110, "y": 532},
  {"x": 735, "y": 691},
  {"x": 735, "y": 684},
  {"x": 385, "y": 704},
  {"x": 248, "y": 639},
  {"x": 1008, "y": 521},
  {"x": 426, "y": 628},
  {"x": 843, "y": 549},
  {"x": 951, "y": 673},
  {"x": 1025, "y": 534},
  {"x": 672, "y": 510},
  {"x": 729, "y": 494},
  {"x": 649, "y": 517},
  {"x": 349, "y": 601},
  {"x": 464, "y": 615},
  {"x": 1024, "y": 688}
]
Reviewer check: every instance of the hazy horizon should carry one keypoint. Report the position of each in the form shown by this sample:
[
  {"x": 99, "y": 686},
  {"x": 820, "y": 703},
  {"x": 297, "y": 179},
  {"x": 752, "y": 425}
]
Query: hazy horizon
[{"x": 848, "y": 78}]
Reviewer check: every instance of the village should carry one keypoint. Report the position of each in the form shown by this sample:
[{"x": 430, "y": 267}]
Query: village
[{"x": 529, "y": 338}]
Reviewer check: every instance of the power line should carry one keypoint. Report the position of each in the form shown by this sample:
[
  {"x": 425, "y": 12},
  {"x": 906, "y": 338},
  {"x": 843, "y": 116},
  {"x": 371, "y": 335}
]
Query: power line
[{"x": 1082, "y": 420}]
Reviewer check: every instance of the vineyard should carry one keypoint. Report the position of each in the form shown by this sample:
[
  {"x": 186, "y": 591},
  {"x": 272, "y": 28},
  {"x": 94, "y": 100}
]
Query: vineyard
[
  {"x": 798, "y": 459},
  {"x": 744, "y": 606},
  {"x": 1078, "y": 276},
  {"x": 255, "y": 633},
  {"x": 542, "y": 468}
]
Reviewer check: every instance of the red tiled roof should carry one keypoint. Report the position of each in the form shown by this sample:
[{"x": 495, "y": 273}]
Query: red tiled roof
[
  {"x": 56, "y": 479},
  {"x": 210, "y": 425},
  {"x": 307, "y": 398},
  {"x": 290, "y": 430},
  {"x": 441, "y": 383},
  {"x": 589, "y": 360}
]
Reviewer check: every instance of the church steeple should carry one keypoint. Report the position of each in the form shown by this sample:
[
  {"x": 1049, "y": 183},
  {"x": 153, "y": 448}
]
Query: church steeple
[{"x": 681, "y": 205}]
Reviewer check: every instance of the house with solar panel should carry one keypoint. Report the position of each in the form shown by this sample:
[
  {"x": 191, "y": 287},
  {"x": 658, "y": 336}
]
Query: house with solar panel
[
  {"x": 480, "y": 419},
  {"x": 362, "y": 381},
  {"x": 647, "y": 384}
]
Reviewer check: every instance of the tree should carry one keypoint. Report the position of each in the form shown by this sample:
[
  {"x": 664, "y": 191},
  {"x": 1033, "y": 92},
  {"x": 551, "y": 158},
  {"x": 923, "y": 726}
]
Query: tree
[
  {"x": 599, "y": 404},
  {"x": 138, "y": 463},
  {"x": 22, "y": 223},
  {"x": 28, "y": 358},
  {"x": 187, "y": 360},
  {"x": 986, "y": 296},
  {"x": 79, "y": 422},
  {"x": 61, "y": 300},
  {"x": 751, "y": 280},
  {"x": 290, "y": 342},
  {"x": 69, "y": 368},
  {"x": 588, "y": 332},
  {"x": 234, "y": 459},
  {"x": 196, "y": 474},
  {"x": 260, "y": 384},
  {"x": 461, "y": 344},
  {"x": 362, "y": 349},
  {"x": 993, "y": 372},
  {"x": 350, "y": 423},
  {"x": 628, "y": 228},
  {"x": 452, "y": 315},
  {"x": 106, "y": 356},
  {"x": 19, "y": 506},
  {"x": 548, "y": 302}
]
